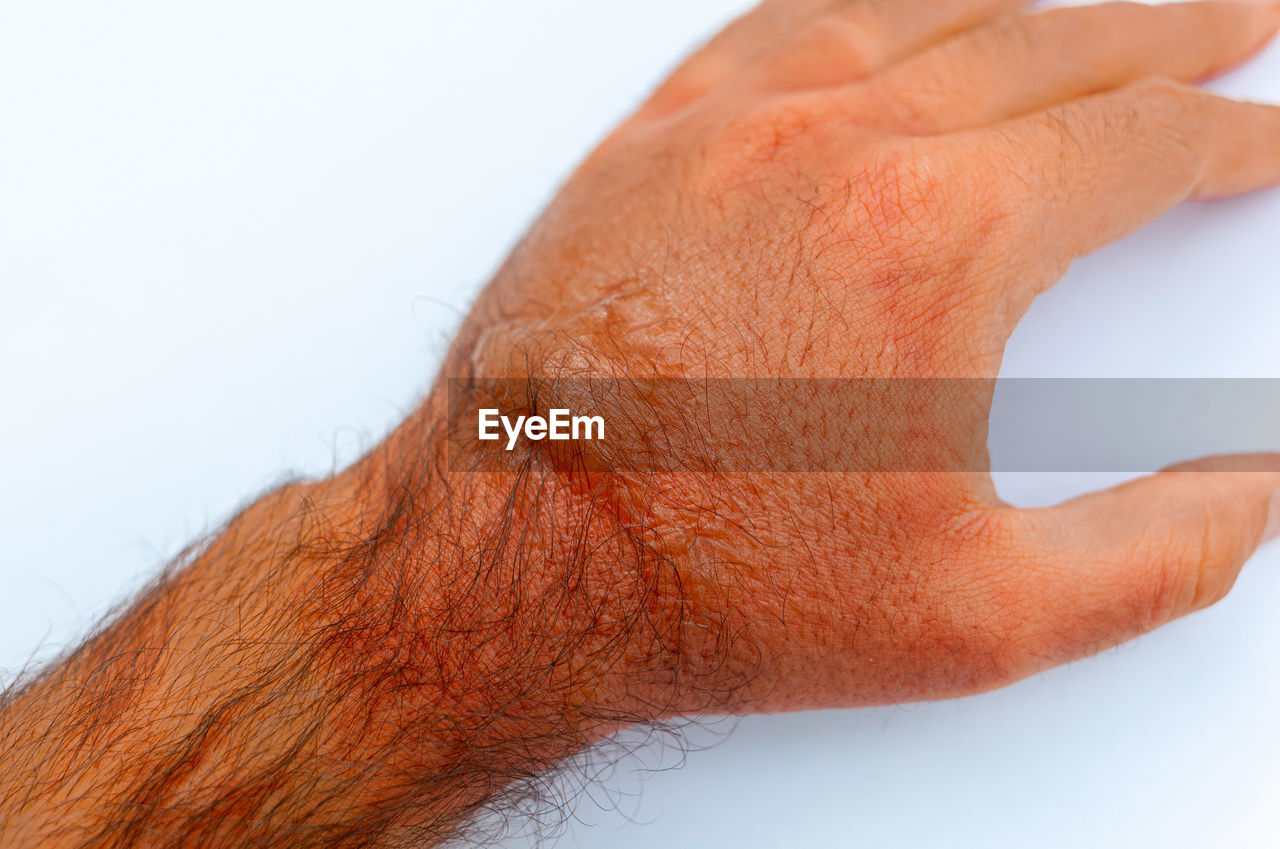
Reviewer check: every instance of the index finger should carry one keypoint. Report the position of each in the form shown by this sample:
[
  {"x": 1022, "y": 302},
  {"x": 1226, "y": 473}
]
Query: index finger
[{"x": 1090, "y": 171}]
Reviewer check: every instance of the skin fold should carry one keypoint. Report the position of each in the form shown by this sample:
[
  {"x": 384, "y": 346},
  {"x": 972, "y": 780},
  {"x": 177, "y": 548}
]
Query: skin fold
[{"x": 827, "y": 189}]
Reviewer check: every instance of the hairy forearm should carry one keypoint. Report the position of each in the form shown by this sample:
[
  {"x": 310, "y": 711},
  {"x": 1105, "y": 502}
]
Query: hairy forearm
[{"x": 358, "y": 661}]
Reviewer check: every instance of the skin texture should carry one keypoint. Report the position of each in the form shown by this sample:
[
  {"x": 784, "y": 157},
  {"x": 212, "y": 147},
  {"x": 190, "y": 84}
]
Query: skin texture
[
  {"x": 858, "y": 189},
  {"x": 867, "y": 197}
]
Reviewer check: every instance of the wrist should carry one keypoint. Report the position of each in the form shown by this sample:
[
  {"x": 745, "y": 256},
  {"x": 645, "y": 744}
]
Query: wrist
[
  {"x": 377, "y": 653},
  {"x": 554, "y": 617},
  {"x": 574, "y": 567}
]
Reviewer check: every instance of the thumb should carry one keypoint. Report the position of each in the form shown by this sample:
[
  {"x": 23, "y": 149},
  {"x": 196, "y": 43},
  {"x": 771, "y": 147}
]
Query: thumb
[{"x": 1123, "y": 561}]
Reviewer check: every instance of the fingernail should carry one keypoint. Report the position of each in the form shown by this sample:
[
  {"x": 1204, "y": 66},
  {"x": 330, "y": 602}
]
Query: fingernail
[{"x": 1272, "y": 530}]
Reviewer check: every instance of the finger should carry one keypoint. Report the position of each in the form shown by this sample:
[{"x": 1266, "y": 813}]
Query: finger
[
  {"x": 1022, "y": 63},
  {"x": 738, "y": 45},
  {"x": 1121, "y": 562},
  {"x": 1075, "y": 177},
  {"x": 859, "y": 37}
]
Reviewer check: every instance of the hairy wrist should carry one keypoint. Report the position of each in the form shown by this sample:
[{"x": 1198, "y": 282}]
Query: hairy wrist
[{"x": 370, "y": 656}]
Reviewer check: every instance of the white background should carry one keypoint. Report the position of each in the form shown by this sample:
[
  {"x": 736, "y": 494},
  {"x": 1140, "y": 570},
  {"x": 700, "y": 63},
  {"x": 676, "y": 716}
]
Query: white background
[{"x": 234, "y": 237}]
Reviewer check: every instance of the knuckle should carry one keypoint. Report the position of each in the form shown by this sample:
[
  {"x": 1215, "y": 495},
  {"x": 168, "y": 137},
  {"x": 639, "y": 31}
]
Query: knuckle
[
  {"x": 1023, "y": 34},
  {"x": 830, "y": 49},
  {"x": 1025, "y": 625},
  {"x": 907, "y": 103},
  {"x": 1175, "y": 104},
  {"x": 764, "y": 141},
  {"x": 985, "y": 611},
  {"x": 1174, "y": 116},
  {"x": 686, "y": 84},
  {"x": 1167, "y": 591},
  {"x": 905, "y": 194},
  {"x": 1157, "y": 86},
  {"x": 923, "y": 201},
  {"x": 1178, "y": 580}
]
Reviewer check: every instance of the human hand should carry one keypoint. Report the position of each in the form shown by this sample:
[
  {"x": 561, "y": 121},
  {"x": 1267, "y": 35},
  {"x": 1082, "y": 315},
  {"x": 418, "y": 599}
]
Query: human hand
[
  {"x": 856, "y": 189},
  {"x": 877, "y": 190}
]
